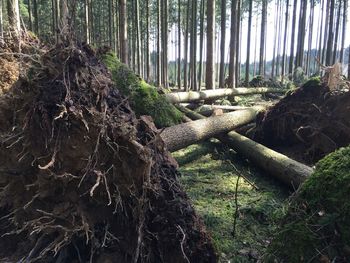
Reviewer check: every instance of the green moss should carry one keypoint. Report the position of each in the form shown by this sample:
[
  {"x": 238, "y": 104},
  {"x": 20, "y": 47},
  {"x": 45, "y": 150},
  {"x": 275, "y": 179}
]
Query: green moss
[
  {"x": 318, "y": 220},
  {"x": 312, "y": 82},
  {"x": 144, "y": 98},
  {"x": 210, "y": 181}
]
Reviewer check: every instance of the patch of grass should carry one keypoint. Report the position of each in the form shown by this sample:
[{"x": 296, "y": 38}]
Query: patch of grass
[
  {"x": 144, "y": 98},
  {"x": 210, "y": 181}
]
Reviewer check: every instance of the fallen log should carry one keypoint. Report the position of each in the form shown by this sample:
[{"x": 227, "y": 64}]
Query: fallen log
[
  {"x": 180, "y": 136},
  {"x": 178, "y": 97},
  {"x": 286, "y": 170},
  {"x": 209, "y": 110}
]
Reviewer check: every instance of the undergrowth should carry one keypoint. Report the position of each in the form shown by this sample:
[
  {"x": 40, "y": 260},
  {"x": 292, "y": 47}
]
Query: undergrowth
[
  {"x": 144, "y": 98},
  {"x": 209, "y": 177}
]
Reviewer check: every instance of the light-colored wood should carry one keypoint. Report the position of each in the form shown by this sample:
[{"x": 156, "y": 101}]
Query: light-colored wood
[
  {"x": 286, "y": 170},
  {"x": 178, "y": 97},
  {"x": 182, "y": 135}
]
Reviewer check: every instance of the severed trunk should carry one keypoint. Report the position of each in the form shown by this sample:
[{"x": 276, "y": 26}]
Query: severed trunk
[
  {"x": 180, "y": 136},
  {"x": 286, "y": 170},
  {"x": 177, "y": 97}
]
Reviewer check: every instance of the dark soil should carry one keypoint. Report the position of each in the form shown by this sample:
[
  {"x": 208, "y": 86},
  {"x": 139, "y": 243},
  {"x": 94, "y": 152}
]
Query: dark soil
[
  {"x": 82, "y": 179},
  {"x": 307, "y": 124}
]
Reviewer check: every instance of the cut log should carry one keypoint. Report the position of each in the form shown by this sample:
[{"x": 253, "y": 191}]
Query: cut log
[
  {"x": 286, "y": 170},
  {"x": 209, "y": 110},
  {"x": 182, "y": 135},
  {"x": 178, "y": 97}
]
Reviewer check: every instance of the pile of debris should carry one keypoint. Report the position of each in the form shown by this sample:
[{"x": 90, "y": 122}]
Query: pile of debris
[
  {"x": 308, "y": 123},
  {"x": 81, "y": 178}
]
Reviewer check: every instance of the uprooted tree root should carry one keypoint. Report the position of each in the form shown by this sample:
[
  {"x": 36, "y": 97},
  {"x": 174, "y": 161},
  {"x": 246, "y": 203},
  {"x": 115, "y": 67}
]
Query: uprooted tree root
[
  {"x": 308, "y": 123},
  {"x": 83, "y": 180}
]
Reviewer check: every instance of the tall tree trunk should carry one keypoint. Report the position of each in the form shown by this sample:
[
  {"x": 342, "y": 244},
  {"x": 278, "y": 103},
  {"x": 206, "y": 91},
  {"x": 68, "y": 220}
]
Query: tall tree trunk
[
  {"x": 222, "y": 44},
  {"x": 138, "y": 36},
  {"x": 277, "y": 16},
  {"x": 210, "y": 70},
  {"x": 342, "y": 50},
  {"x": 63, "y": 18},
  {"x": 30, "y": 16},
  {"x": 336, "y": 38},
  {"x": 87, "y": 21},
  {"x": 110, "y": 23},
  {"x": 247, "y": 63},
  {"x": 201, "y": 44},
  {"x": 292, "y": 43},
  {"x": 263, "y": 38},
  {"x": 36, "y": 16},
  {"x": 232, "y": 65},
  {"x": 194, "y": 47},
  {"x": 1, "y": 24},
  {"x": 301, "y": 34},
  {"x": 179, "y": 44},
  {"x": 330, "y": 34},
  {"x": 123, "y": 35},
  {"x": 238, "y": 42},
  {"x": 309, "y": 49},
  {"x": 13, "y": 17},
  {"x": 159, "y": 45},
  {"x": 186, "y": 45},
  {"x": 284, "y": 56},
  {"x": 165, "y": 43}
]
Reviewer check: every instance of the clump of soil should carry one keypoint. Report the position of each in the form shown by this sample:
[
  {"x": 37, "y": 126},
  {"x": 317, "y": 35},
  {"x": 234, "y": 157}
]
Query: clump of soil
[
  {"x": 316, "y": 227},
  {"x": 9, "y": 73},
  {"x": 82, "y": 179},
  {"x": 308, "y": 123}
]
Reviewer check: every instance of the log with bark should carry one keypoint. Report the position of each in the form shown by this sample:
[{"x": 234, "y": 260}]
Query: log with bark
[
  {"x": 178, "y": 97},
  {"x": 286, "y": 170},
  {"x": 210, "y": 110},
  {"x": 182, "y": 135}
]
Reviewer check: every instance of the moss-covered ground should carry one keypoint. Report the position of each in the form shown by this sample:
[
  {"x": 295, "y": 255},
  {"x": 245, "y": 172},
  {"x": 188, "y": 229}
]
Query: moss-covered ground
[{"x": 209, "y": 176}]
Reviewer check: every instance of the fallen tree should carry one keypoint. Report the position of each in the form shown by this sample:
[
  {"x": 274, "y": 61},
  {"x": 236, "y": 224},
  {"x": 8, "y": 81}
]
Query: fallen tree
[
  {"x": 178, "y": 97},
  {"x": 82, "y": 179},
  {"x": 288, "y": 171},
  {"x": 182, "y": 135},
  {"x": 208, "y": 110}
]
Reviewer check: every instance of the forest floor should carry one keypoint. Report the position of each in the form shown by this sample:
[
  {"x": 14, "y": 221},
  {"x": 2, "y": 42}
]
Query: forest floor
[{"x": 209, "y": 175}]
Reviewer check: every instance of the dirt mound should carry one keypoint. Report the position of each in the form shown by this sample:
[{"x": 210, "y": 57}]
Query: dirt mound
[
  {"x": 308, "y": 123},
  {"x": 82, "y": 179}
]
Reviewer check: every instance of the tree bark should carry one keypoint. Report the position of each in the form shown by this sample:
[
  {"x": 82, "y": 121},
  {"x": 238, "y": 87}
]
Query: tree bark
[
  {"x": 247, "y": 63},
  {"x": 201, "y": 44},
  {"x": 194, "y": 47},
  {"x": 178, "y": 97},
  {"x": 222, "y": 45},
  {"x": 180, "y": 136},
  {"x": 284, "y": 56},
  {"x": 292, "y": 43},
  {"x": 286, "y": 170},
  {"x": 210, "y": 70},
  {"x": 330, "y": 34},
  {"x": 1, "y": 24},
  {"x": 263, "y": 38},
  {"x": 232, "y": 65},
  {"x": 123, "y": 35},
  {"x": 179, "y": 44},
  {"x": 13, "y": 17},
  {"x": 345, "y": 12}
]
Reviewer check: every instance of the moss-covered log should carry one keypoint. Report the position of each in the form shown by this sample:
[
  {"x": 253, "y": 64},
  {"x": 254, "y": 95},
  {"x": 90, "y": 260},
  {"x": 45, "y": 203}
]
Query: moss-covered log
[
  {"x": 316, "y": 227},
  {"x": 178, "y": 97},
  {"x": 144, "y": 98},
  {"x": 288, "y": 171},
  {"x": 183, "y": 135}
]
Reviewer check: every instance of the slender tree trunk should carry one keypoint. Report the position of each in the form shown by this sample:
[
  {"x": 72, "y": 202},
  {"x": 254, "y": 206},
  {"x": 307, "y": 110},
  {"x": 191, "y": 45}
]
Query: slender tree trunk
[
  {"x": 292, "y": 43},
  {"x": 301, "y": 34},
  {"x": 349, "y": 64},
  {"x": 123, "y": 35},
  {"x": 247, "y": 63},
  {"x": 232, "y": 65},
  {"x": 110, "y": 22},
  {"x": 138, "y": 36},
  {"x": 30, "y": 16},
  {"x": 179, "y": 44},
  {"x": 13, "y": 17},
  {"x": 87, "y": 21},
  {"x": 342, "y": 50},
  {"x": 194, "y": 47},
  {"x": 277, "y": 16},
  {"x": 262, "y": 38},
  {"x": 330, "y": 34},
  {"x": 201, "y": 44},
  {"x": 336, "y": 38},
  {"x": 238, "y": 42},
  {"x": 159, "y": 46},
  {"x": 309, "y": 50},
  {"x": 1, "y": 24},
  {"x": 210, "y": 70},
  {"x": 165, "y": 43},
  {"x": 222, "y": 44},
  {"x": 284, "y": 56}
]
